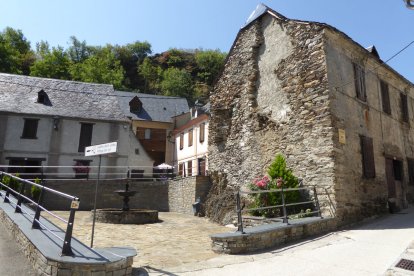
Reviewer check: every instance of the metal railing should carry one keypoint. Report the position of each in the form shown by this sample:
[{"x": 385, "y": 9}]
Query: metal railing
[
  {"x": 36, "y": 224},
  {"x": 80, "y": 173},
  {"x": 285, "y": 217}
]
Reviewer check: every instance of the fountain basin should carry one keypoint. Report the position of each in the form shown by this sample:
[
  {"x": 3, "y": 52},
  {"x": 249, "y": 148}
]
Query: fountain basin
[{"x": 132, "y": 216}]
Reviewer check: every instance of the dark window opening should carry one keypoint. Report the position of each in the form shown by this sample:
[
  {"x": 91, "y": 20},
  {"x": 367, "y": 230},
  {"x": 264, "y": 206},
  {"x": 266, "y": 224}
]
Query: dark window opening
[
  {"x": 359, "y": 78},
  {"x": 410, "y": 163},
  {"x": 135, "y": 105},
  {"x": 398, "y": 169},
  {"x": 368, "y": 161},
  {"x": 404, "y": 107},
  {"x": 385, "y": 96},
  {"x": 30, "y": 129},
  {"x": 202, "y": 132},
  {"x": 190, "y": 137},
  {"x": 181, "y": 169},
  {"x": 85, "y": 138}
]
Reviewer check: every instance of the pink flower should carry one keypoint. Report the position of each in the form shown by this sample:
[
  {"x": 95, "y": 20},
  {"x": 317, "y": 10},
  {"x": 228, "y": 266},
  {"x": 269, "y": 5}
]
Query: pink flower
[{"x": 279, "y": 182}]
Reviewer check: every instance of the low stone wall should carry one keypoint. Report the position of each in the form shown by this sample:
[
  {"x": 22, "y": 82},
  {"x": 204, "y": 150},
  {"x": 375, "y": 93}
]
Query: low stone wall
[
  {"x": 175, "y": 195},
  {"x": 150, "y": 195},
  {"x": 183, "y": 192},
  {"x": 45, "y": 266},
  {"x": 270, "y": 235}
]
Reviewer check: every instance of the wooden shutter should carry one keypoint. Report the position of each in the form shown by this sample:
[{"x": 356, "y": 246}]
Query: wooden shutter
[
  {"x": 190, "y": 137},
  {"x": 359, "y": 78},
  {"x": 181, "y": 141},
  {"x": 404, "y": 107},
  {"x": 202, "y": 131},
  {"x": 410, "y": 163},
  {"x": 190, "y": 168},
  {"x": 385, "y": 96},
  {"x": 368, "y": 161},
  {"x": 85, "y": 138}
]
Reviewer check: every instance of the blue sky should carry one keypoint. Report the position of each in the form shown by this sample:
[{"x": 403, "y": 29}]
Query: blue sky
[{"x": 209, "y": 24}]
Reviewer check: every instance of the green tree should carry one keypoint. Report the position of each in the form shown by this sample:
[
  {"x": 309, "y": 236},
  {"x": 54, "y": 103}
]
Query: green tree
[
  {"x": 151, "y": 74},
  {"x": 102, "y": 67},
  {"x": 177, "y": 82},
  {"x": 131, "y": 56},
  {"x": 78, "y": 51},
  {"x": 53, "y": 63},
  {"x": 209, "y": 64},
  {"x": 16, "y": 55}
]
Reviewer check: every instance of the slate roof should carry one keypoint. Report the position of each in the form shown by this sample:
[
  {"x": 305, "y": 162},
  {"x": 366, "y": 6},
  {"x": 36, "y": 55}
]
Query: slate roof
[
  {"x": 154, "y": 107},
  {"x": 18, "y": 94}
]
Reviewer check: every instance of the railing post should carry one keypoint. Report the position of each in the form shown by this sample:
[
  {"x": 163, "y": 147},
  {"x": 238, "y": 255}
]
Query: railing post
[
  {"x": 317, "y": 202},
  {"x": 285, "y": 218},
  {"x": 6, "y": 197},
  {"x": 67, "y": 248},
  {"x": 35, "y": 224},
  {"x": 20, "y": 198},
  {"x": 239, "y": 215}
]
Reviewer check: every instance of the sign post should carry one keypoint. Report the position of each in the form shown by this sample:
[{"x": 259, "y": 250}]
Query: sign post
[{"x": 94, "y": 151}]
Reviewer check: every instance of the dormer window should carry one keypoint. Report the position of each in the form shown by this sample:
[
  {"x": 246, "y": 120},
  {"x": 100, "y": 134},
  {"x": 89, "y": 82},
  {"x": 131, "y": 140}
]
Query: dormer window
[
  {"x": 42, "y": 97},
  {"x": 135, "y": 105}
]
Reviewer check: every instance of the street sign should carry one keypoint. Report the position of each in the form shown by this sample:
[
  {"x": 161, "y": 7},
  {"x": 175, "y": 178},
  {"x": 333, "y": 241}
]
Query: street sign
[{"x": 101, "y": 149}]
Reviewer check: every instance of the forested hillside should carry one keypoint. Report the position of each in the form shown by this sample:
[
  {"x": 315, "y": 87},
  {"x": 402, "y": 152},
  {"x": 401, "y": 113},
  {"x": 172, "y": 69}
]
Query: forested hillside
[{"x": 130, "y": 67}]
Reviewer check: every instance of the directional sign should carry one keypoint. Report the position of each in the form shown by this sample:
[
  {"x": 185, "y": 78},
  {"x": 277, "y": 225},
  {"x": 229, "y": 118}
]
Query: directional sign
[{"x": 101, "y": 149}]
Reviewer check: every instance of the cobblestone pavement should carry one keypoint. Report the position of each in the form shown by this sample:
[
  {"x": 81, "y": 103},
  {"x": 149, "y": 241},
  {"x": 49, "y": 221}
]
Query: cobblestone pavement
[{"x": 177, "y": 240}]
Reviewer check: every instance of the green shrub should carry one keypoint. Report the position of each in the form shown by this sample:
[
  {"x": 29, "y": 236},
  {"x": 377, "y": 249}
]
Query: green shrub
[
  {"x": 278, "y": 175},
  {"x": 12, "y": 182},
  {"x": 35, "y": 191}
]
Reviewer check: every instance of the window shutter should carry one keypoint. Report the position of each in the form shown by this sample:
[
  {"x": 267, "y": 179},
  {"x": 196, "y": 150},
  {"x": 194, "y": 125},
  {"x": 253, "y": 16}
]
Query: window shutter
[
  {"x": 202, "y": 130},
  {"x": 181, "y": 141},
  {"x": 368, "y": 162},
  {"x": 190, "y": 137},
  {"x": 385, "y": 95},
  {"x": 404, "y": 107},
  {"x": 410, "y": 163},
  {"x": 359, "y": 79}
]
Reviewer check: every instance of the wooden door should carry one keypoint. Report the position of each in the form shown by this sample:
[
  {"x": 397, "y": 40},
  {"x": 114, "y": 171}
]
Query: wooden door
[{"x": 389, "y": 170}]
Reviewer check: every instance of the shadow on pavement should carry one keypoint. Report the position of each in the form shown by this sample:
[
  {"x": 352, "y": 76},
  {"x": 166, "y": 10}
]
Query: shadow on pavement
[{"x": 144, "y": 271}]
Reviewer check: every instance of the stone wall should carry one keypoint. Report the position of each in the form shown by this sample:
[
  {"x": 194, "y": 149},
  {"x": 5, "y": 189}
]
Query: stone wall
[
  {"x": 150, "y": 195},
  {"x": 183, "y": 192},
  {"x": 48, "y": 267},
  {"x": 272, "y": 97},
  {"x": 173, "y": 195},
  {"x": 268, "y": 236},
  {"x": 357, "y": 196}
]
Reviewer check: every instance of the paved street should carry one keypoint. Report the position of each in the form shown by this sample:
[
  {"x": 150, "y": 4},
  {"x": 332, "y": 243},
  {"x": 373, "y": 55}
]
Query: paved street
[
  {"x": 12, "y": 260},
  {"x": 369, "y": 249}
]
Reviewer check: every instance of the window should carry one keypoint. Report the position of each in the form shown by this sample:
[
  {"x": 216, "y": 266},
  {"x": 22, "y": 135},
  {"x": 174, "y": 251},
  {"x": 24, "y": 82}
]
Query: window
[
  {"x": 85, "y": 138},
  {"x": 398, "y": 169},
  {"x": 82, "y": 168},
  {"x": 404, "y": 108},
  {"x": 30, "y": 129},
  {"x": 385, "y": 96},
  {"x": 190, "y": 168},
  {"x": 202, "y": 131},
  {"x": 180, "y": 169},
  {"x": 368, "y": 162},
  {"x": 359, "y": 78},
  {"x": 190, "y": 137},
  {"x": 410, "y": 163},
  {"x": 181, "y": 141},
  {"x": 147, "y": 134}
]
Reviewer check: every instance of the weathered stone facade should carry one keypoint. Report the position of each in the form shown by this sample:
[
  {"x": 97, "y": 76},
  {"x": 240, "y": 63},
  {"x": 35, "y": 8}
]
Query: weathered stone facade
[{"x": 277, "y": 94}]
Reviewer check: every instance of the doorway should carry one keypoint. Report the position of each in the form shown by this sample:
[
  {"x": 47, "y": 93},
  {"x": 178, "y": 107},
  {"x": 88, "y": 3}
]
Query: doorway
[{"x": 394, "y": 176}]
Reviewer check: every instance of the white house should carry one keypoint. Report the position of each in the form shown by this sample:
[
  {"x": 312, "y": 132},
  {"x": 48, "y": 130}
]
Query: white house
[{"x": 191, "y": 142}]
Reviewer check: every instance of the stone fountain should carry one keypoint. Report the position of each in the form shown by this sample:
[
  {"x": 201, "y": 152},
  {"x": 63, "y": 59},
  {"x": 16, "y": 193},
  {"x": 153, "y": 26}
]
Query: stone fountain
[{"x": 126, "y": 215}]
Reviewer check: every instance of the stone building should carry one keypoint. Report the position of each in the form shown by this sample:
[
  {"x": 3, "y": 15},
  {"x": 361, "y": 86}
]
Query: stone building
[{"x": 341, "y": 116}]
